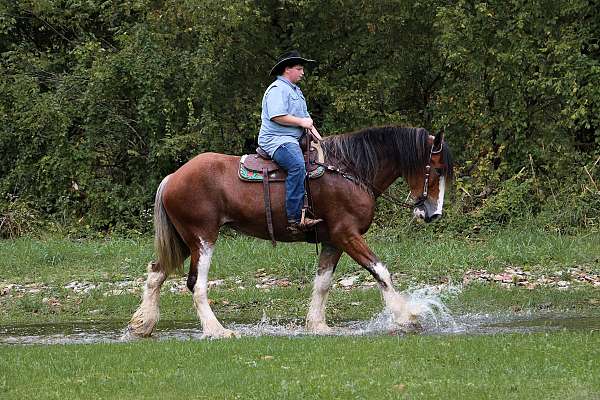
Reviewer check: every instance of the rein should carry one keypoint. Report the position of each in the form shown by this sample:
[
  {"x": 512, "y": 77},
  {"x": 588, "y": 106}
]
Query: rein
[{"x": 371, "y": 188}]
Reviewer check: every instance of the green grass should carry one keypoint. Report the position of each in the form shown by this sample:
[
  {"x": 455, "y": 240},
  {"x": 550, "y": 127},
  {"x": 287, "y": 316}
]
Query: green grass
[
  {"x": 250, "y": 305},
  {"x": 562, "y": 365},
  {"x": 422, "y": 258},
  {"x": 61, "y": 260},
  {"x": 537, "y": 366}
]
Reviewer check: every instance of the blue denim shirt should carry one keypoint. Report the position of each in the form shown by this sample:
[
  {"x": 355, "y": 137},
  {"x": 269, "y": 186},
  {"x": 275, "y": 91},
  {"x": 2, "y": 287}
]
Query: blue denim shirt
[{"x": 281, "y": 98}]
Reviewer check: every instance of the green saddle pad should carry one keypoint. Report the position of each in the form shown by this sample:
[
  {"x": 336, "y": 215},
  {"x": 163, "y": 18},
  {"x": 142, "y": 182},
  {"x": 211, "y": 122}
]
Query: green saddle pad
[{"x": 255, "y": 176}]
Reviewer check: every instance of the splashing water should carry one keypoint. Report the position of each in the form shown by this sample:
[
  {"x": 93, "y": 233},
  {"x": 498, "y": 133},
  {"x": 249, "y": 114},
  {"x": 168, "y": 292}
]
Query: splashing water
[{"x": 426, "y": 302}]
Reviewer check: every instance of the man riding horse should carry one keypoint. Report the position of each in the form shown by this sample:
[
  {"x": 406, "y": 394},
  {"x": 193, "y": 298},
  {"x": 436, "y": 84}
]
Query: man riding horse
[
  {"x": 194, "y": 202},
  {"x": 284, "y": 118}
]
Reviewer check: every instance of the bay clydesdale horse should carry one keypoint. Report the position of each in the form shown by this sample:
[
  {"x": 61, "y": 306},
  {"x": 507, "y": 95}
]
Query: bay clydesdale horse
[{"x": 205, "y": 194}]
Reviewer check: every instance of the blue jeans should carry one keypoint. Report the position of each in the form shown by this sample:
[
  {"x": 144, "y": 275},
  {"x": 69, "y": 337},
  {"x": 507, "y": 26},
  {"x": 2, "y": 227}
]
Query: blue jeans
[{"x": 289, "y": 157}]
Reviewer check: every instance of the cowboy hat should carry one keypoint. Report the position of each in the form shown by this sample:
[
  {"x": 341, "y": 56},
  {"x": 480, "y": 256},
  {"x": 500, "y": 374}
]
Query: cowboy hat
[{"x": 288, "y": 59}]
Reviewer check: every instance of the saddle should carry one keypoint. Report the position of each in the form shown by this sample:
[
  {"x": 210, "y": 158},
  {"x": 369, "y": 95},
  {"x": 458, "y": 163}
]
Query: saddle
[
  {"x": 254, "y": 167},
  {"x": 260, "y": 167}
]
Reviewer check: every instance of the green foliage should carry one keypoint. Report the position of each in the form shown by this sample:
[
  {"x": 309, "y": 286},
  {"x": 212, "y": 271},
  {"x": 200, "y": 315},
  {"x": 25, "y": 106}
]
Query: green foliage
[
  {"x": 514, "y": 71},
  {"x": 574, "y": 202},
  {"x": 17, "y": 218},
  {"x": 101, "y": 100},
  {"x": 515, "y": 197}
]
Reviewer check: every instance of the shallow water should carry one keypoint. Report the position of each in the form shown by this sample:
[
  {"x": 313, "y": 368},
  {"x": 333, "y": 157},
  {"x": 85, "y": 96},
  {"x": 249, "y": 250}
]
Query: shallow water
[
  {"x": 381, "y": 324},
  {"x": 434, "y": 318}
]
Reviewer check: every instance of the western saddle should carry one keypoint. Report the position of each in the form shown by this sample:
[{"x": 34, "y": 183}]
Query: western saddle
[{"x": 260, "y": 167}]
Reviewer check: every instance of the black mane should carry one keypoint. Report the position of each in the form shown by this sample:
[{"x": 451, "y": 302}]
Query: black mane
[{"x": 362, "y": 152}]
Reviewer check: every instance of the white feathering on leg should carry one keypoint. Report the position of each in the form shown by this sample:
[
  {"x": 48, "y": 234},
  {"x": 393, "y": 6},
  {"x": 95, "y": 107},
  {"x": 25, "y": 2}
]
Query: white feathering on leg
[{"x": 147, "y": 315}]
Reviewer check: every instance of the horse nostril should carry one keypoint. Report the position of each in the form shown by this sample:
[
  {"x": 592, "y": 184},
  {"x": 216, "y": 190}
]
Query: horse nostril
[
  {"x": 434, "y": 217},
  {"x": 420, "y": 213}
]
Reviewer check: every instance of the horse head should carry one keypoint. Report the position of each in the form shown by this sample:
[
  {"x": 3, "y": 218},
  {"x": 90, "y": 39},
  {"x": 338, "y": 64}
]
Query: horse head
[{"x": 428, "y": 189}]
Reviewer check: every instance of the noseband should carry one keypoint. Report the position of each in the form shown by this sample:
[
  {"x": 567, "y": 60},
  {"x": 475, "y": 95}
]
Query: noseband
[{"x": 425, "y": 193}]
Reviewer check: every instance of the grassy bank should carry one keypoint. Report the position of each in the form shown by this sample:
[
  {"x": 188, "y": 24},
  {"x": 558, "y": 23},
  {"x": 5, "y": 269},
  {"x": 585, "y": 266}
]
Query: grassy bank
[
  {"x": 420, "y": 258},
  {"x": 58, "y": 279}
]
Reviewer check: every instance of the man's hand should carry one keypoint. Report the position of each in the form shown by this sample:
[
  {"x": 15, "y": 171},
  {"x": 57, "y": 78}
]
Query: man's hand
[{"x": 306, "y": 123}]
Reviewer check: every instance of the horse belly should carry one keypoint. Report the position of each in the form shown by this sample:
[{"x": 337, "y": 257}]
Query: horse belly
[{"x": 245, "y": 210}]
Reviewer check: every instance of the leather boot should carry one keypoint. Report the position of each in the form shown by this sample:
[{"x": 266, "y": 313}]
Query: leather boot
[{"x": 306, "y": 225}]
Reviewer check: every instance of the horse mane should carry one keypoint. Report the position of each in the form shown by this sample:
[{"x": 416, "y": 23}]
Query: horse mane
[{"x": 362, "y": 152}]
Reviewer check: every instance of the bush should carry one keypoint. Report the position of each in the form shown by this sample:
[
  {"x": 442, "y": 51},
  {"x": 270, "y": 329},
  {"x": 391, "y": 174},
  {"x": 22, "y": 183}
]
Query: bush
[{"x": 17, "y": 218}]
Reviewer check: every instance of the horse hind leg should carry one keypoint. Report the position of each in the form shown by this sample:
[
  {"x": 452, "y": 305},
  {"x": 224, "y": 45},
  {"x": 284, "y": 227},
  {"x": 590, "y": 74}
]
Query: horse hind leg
[
  {"x": 192, "y": 277},
  {"x": 200, "y": 261},
  {"x": 144, "y": 319},
  {"x": 315, "y": 319}
]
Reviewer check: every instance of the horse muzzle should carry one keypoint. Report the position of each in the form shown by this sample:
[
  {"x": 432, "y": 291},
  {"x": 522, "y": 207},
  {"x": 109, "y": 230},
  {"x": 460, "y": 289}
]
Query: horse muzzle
[{"x": 427, "y": 212}]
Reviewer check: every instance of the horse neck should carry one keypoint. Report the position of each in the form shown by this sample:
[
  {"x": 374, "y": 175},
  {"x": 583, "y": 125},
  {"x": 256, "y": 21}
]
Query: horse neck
[{"x": 387, "y": 174}]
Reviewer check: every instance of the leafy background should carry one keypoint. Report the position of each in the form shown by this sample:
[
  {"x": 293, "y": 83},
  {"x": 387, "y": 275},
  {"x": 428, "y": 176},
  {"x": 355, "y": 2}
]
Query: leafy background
[{"x": 100, "y": 100}]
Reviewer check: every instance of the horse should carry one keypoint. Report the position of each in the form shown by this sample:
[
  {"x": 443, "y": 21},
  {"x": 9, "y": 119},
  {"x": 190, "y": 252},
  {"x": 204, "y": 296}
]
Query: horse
[{"x": 205, "y": 194}]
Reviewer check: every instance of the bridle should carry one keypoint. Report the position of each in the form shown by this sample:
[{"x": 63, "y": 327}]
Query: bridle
[{"x": 425, "y": 193}]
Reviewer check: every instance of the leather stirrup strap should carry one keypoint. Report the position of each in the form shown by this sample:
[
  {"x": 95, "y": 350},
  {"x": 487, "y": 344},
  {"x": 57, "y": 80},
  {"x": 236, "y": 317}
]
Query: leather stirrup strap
[
  {"x": 306, "y": 205},
  {"x": 267, "y": 196}
]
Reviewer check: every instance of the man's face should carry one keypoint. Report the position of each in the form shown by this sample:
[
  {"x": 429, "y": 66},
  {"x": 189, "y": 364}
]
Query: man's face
[{"x": 294, "y": 73}]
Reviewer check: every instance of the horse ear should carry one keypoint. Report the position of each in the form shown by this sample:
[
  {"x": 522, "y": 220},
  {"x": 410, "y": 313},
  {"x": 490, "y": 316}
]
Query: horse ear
[{"x": 439, "y": 138}]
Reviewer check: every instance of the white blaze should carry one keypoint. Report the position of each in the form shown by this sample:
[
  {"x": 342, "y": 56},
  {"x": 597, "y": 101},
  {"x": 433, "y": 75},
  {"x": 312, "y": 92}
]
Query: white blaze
[{"x": 440, "y": 202}]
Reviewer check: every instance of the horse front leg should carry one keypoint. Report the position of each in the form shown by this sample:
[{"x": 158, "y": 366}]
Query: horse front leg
[
  {"x": 211, "y": 327},
  {"x": 315, "y": 319},
  {"x": 357, "y": 248},
  {"x": 144, "y": 319}
]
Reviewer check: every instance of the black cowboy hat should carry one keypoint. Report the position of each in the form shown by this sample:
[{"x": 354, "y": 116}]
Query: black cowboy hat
[{"x": 288, "y": 59}]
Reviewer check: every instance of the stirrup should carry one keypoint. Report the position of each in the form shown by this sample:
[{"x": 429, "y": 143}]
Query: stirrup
[{"x": 306, "y": 225}]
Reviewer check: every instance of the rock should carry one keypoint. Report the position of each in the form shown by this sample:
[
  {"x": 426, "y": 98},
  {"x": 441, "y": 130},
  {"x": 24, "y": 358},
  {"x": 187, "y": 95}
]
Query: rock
[
  {"x": 399, "y": 387},
  {"x": 544, "y": 306},
  {"x": 349, "y": 281},
  {"x": 215, "y": 283},
  {"x": 368, "y": 285}
]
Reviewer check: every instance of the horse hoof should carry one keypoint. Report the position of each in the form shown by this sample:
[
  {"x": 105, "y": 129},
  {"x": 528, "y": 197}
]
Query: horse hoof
[
  {"x": 220, "y": 334},
  {"x": 410, "y": 327},
  {"x": 319, "y": 329},
  {"x": 130, "y": 333}
]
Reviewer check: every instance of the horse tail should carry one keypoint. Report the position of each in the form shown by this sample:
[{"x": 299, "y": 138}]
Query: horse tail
[{"x": 170, "y": 249}]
